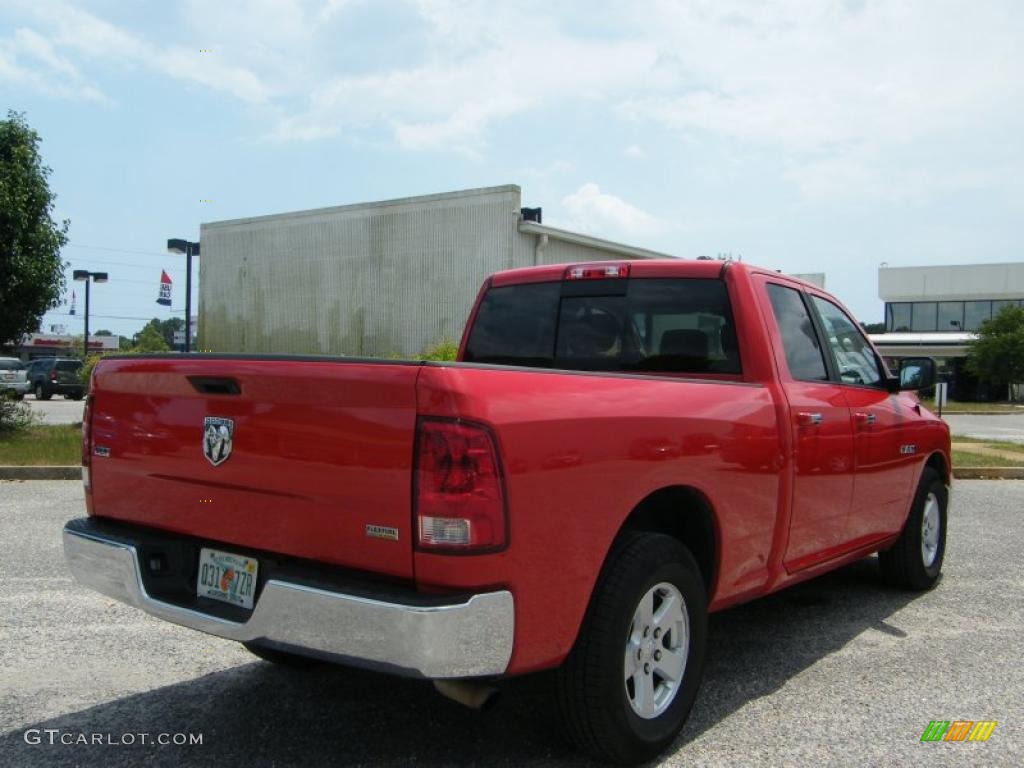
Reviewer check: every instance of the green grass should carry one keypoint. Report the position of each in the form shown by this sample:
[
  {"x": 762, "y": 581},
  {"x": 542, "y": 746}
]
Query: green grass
[
  {"x": 968, "y": 459},
  {"x": 57, "y": 445}
]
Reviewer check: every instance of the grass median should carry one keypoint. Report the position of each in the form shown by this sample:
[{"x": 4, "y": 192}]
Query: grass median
[{"x": 42, "y": 445}]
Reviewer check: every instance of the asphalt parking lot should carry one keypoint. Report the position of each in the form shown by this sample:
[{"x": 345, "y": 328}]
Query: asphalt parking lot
[
  {"x": 1004, "y": 426},
  {"x": 838, "y": 671}
]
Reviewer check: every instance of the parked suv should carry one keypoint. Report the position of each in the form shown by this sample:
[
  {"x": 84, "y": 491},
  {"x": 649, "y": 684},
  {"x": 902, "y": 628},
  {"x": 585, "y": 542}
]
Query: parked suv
[
  {"x": 13, "y": 380},
  {"x": 56, "y": 376}
]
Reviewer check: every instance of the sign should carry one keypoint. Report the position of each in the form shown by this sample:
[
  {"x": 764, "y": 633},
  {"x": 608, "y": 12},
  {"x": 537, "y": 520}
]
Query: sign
[
  {"x": 49, "y": 341},
  {"x": 164, "y": 296},
  {"x": 940, "y": 394}
]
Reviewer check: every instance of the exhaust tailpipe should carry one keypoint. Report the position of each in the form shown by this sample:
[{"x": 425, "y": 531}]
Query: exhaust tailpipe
[{"x": 473, "y": 695}]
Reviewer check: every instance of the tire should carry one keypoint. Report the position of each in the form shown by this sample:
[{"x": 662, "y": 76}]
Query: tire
[
  {"x": 915, "y": 561},
  {"x": 75, "y": 396},
  {"x": 41, "y": 393},
  {"x": 281, "y": 658},
  {"x": 600, "y": 703}
]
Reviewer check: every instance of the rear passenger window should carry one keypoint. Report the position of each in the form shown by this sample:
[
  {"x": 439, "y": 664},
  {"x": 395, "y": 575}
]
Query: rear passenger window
[{"x": 799, "y": 341}]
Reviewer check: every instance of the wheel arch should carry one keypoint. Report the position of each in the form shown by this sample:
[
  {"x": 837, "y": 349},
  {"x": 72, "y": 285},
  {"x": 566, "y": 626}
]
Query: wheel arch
[
  {"x": 937, "y": 461},
  {"x": 686, "y": 514}
]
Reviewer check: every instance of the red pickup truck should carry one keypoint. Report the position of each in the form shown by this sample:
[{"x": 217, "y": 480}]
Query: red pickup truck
[{"x": 620, "y": 449}]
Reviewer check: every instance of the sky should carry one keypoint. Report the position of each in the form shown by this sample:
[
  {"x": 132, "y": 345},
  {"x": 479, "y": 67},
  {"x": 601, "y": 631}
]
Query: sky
[{"x": 802, "y": 135}]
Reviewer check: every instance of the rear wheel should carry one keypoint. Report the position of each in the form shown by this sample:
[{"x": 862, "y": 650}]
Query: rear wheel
[
  {"x": 41, "y": 393},
  {"x": 283, "y": 658},
  {"x": 915, "y": 560},
  {"x": 629, "y": 683},
  {"x": 76, "y": 395}
]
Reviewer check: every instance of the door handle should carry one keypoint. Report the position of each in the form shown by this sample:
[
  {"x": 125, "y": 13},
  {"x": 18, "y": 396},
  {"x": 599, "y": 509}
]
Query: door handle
[
  {"x": 805, "y": 419},
  {"x": 864, "y": 419}
]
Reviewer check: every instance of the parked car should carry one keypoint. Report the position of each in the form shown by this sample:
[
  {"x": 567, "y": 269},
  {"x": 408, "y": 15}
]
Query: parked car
[
  {"x": 49, "y": 376},
  {"x": 13, "y": 377},
  {"x": 620, "y": 449}
]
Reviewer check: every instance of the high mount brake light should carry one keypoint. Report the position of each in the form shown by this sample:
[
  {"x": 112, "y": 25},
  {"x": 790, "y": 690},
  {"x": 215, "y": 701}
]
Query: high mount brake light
[
  {"x": 596, "y": 271},
  {"x": 460, "y": 499}
]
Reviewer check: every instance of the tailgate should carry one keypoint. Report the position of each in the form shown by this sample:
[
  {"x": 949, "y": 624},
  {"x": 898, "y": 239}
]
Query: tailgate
[{"x": 292, "y": 456}]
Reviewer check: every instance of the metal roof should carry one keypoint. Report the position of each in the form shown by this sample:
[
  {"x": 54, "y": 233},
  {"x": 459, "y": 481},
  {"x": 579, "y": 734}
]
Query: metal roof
[{"x": 629, "y": 251}]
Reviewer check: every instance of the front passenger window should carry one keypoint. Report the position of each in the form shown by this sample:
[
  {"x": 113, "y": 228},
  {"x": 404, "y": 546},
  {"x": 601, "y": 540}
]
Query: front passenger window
[{"x": 854, "y": 356}]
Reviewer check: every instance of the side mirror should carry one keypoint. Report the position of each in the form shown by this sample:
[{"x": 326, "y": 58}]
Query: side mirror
[{"x": 917, "y": 373}]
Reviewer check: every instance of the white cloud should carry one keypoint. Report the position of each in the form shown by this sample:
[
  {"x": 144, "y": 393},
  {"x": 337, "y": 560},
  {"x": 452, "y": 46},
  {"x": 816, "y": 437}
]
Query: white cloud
[
  {"x": 551, "y": 169},
  {"x": 27, "y": 58},
  {"x": 72, "y": 31},
  {"x": 837, "y": 89},
  {"x": 592, "y": 210},
  {"x": 450, "y": 103}
]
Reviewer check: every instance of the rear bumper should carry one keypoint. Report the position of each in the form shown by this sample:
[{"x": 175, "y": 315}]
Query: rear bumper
[
  {"x": 21, "y": 387},
  {"x": 469, "y": 637}
]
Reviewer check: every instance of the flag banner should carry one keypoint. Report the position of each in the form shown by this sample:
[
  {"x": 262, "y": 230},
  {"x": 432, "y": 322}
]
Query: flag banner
[
  {"x": 72, "y": 303},
  {"x": 165, "y": 290}
]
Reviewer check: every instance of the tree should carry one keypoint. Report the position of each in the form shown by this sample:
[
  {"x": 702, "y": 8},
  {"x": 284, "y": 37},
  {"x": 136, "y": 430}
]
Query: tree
[
  {"x": 997, "y": 356},
  {"x": 150, "y": 340},
  {"x": 166, "y": 328},
  {"x": 31, "y": 270},
  {"x": 873, "y": 327}
]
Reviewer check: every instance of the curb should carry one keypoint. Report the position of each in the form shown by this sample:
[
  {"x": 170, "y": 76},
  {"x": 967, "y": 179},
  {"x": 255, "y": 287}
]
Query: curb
[
  {"x": 979, "y": 413},
  {"x": 988, "y": 473},
  {"x": 40, "y": 473}
]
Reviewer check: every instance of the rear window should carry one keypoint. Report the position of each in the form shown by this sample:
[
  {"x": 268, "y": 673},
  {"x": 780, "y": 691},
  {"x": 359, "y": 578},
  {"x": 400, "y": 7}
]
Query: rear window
[
  {"x": 11, "y": 365},
  {"x": 68, "y": 365},
  {"x": 671, "y": 325}
]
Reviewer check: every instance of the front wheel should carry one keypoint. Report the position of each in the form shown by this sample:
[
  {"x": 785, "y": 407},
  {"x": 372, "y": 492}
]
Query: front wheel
[
  {"x": 630, "y": 681},
  {"x": 915, "y": 560}
]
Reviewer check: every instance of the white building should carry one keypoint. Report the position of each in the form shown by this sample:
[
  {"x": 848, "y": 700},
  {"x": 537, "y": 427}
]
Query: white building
[
  {"x": 372, "y": 279},
  {"x": 935, "y": 311}
]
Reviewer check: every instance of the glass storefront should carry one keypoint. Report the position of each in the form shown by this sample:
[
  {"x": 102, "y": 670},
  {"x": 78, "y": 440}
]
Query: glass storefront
[{"x": 942, "y": 316}]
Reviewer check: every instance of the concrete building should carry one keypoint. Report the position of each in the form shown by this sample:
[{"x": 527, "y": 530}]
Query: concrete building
[
  {"x": 935, "y": 311},
  {"x": 372, "y": 279}
]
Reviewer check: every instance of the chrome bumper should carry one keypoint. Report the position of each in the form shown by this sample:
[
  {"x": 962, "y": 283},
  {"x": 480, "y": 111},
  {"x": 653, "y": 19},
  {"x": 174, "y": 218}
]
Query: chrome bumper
[{"x": 471, "y": 638}]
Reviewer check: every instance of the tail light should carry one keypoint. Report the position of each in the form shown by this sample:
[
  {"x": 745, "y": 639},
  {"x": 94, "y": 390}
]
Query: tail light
[
  {"x": 459, "y": 492},
  {"x": 87, "y": 449},
  {"x": 53, "y": 375},
  {"x": 596, "y": 271}
]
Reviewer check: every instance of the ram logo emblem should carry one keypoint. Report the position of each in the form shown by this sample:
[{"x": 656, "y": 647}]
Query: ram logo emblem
[{"x": 218, "y": 436}]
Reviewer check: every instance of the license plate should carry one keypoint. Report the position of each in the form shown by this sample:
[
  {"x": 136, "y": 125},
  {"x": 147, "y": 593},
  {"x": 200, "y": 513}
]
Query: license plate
[
  {"x": 8, "y": 377},
  {"x": 226, "y": 577}
]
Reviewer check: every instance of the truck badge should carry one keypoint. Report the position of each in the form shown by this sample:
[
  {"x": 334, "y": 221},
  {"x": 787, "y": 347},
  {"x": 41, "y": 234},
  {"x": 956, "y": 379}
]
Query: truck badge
[
  {"x": 908, "y": 450},
  {"x": 381, "y": 532},
  {"x": 217, "y": 439}
]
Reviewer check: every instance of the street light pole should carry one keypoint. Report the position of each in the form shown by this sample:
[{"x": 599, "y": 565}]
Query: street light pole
[
  {"x": 188, "y": 248},
  {"x": 86, "y": 276},
  {"x": 85, "y": 339}
]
